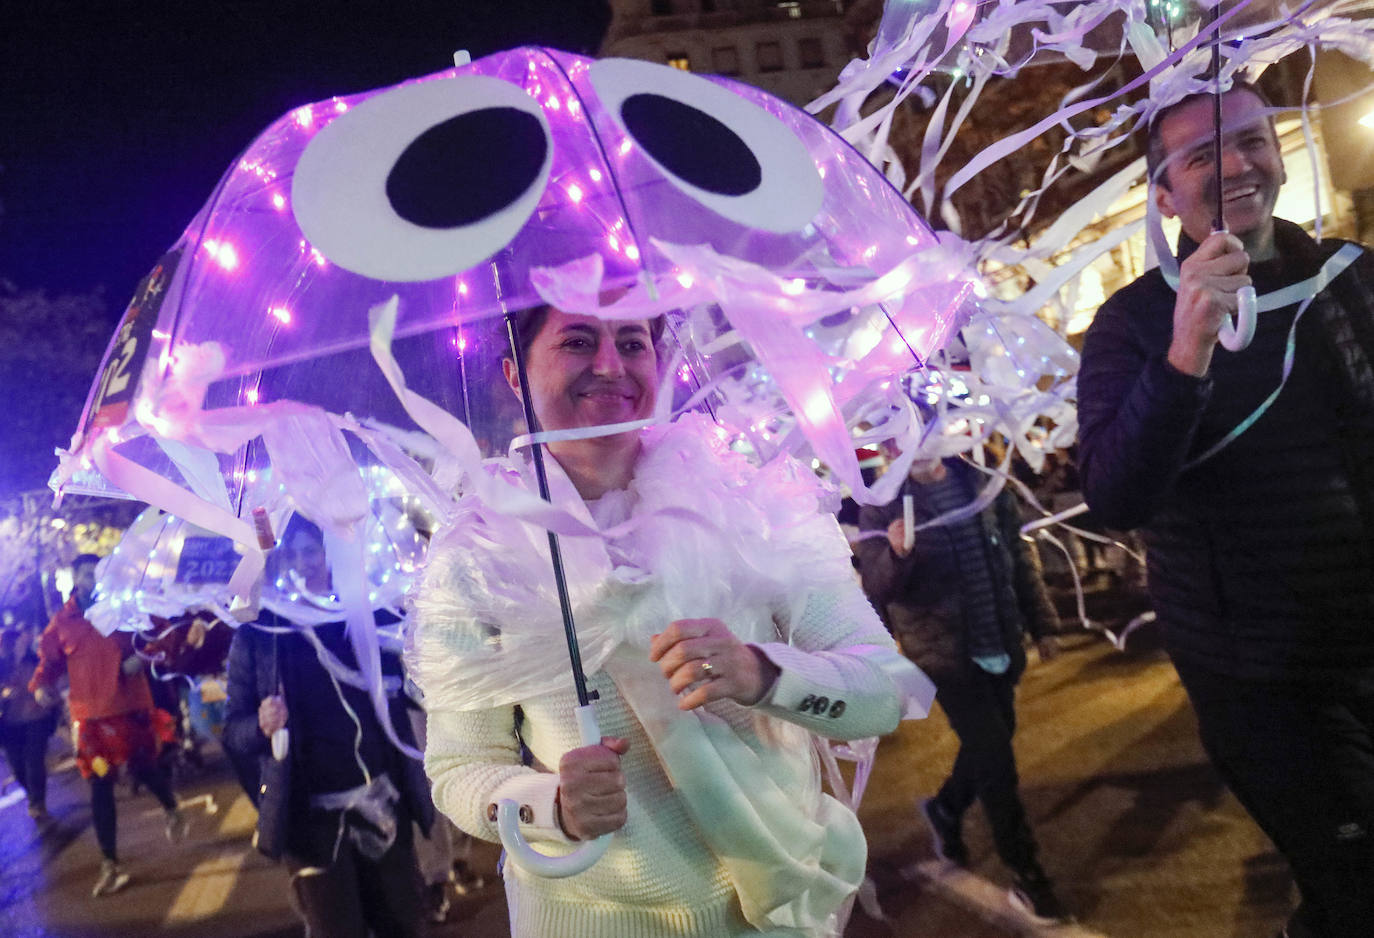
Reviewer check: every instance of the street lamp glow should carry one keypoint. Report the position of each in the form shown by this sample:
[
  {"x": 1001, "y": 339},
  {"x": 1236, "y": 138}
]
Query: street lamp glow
[{"x": 1368, "y": 119}]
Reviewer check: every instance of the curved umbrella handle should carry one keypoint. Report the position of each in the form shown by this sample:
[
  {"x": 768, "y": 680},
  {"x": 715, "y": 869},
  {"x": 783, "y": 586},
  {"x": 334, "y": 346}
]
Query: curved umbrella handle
[
  {"x": 520, "y": 850},
  {"x": 1234, "y": 337},
  {"x": 281, "y": 743},
  {"x": 908, "y": 523}
]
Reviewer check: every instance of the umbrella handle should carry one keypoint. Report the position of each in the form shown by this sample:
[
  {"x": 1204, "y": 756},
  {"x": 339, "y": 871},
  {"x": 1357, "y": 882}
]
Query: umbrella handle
[
  {"x": 908, "y": 523},
  {"x": 281, "y": 743},
  {"x": 1236, "y": 336},
  {"x": 520, "y": 850}
]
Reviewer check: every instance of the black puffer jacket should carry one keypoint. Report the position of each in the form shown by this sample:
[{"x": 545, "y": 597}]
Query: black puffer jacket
[
  {"x": 919, "y": 595},
  {"x": 1261, "y": 558},
  {"x": 327, "y": 740}
]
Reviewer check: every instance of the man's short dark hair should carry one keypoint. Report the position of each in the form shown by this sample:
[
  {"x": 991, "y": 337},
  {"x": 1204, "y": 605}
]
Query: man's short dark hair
[
  {"x": 529, "y": 321},
  {"x": 82, "y": 559},
  {"x": 1154, "y": 146}
]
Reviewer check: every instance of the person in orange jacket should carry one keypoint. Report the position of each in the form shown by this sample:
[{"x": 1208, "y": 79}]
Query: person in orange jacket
[{"x": 112, "y": 715}]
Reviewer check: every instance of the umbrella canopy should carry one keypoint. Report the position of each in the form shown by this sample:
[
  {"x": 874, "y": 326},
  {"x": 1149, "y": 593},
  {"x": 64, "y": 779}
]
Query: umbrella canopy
[
  {"x": 527, "y": 177},
  {"x": 164, "y": 567}
]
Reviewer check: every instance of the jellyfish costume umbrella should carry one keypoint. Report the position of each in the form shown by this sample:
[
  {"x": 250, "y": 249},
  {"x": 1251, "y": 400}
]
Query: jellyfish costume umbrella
[{"x": 387, "y": 225}]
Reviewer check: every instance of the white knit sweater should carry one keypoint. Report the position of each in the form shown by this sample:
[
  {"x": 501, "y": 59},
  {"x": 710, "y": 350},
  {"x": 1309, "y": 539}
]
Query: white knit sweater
[{"x": 659, "y": 877}]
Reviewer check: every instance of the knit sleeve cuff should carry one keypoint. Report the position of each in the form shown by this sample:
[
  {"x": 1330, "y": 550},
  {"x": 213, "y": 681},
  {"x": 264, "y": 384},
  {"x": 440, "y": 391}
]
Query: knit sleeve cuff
[
  {"x": 842, "y": 694},
  {"x": 536, "y": 793}
]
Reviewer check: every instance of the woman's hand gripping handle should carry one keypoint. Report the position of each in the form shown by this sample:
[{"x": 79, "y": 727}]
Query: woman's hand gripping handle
[{"x": 523, "y": 854}]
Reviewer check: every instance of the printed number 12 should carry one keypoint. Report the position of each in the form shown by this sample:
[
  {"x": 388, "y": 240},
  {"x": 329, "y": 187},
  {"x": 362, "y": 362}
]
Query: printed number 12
[{"x": 117, "y": 375}]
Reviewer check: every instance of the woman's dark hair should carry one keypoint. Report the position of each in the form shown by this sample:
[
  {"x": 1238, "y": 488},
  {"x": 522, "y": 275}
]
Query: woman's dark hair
[
  {"x": 300, "y": 524},
  {"x": 529, "y": 321},
  {"x": 82, "y": 559}
]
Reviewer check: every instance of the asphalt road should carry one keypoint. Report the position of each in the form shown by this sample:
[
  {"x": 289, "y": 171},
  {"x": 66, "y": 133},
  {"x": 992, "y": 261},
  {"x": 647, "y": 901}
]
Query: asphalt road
[{"x": 1134, "y": 826}]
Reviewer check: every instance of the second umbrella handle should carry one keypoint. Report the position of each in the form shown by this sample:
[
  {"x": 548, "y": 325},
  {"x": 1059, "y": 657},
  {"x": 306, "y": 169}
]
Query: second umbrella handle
[
  {"x": 1234, "y": 337},
  {"x": 522, "y": 853},
  {"x": 281, "y": 743},
  {"x": 908, "y": 523}
]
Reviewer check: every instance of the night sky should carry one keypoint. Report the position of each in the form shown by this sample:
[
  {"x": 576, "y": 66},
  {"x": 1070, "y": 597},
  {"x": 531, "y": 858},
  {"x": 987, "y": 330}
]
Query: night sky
[{"x": 117, "y": 117}]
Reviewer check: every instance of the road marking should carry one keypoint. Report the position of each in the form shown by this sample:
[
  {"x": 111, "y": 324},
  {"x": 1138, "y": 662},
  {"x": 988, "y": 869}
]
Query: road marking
[
  {"x": 210, "y": 882},
  {"x": 240, "y": 819},
  {"x": 985, "y": 899},
  {"x": 206, "y": 889},
  {"x": 207, "y": 799}
]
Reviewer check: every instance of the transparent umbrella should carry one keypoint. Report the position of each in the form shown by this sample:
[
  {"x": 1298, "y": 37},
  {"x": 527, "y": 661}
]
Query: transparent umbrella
[{"x": 392, "y": 227}]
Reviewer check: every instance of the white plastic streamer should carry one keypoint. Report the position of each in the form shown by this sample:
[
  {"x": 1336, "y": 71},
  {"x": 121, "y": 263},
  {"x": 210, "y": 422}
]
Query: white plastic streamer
[{"x": 1026, "y": 394}]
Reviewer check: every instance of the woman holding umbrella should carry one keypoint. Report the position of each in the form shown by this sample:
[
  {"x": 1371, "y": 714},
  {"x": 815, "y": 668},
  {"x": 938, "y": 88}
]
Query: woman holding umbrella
[{"x": 720, "y": 627}]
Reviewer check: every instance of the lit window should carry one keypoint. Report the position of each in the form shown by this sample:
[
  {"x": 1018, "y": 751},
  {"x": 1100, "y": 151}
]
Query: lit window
[
  {"x": 793, "y": 8},
  {"x": 725, "y": 60},
  {"x": 679, "y": 60},
  {"x": 812, "y": 52},
  {"x": 769, "y": 55}
]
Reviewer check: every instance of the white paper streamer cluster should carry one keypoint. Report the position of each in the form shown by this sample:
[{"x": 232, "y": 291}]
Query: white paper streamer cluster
[{"x": 1020, "y": 381}]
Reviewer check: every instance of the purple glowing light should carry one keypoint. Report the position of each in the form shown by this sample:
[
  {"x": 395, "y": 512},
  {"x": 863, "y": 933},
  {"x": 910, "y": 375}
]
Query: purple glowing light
[{"x": 224, "y": 254}]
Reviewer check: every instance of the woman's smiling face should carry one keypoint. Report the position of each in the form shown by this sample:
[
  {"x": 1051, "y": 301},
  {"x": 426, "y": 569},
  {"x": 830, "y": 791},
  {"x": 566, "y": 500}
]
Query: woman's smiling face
[{"x": 586, "y": 372}]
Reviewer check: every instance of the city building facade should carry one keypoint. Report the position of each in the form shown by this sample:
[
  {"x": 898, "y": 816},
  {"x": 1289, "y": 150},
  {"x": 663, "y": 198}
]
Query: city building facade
[{"x": 793, "y": 49}]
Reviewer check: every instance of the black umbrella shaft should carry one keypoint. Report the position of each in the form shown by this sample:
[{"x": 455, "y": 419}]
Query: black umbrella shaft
[
  {"x": 1218, "y": 223},
  {"x": 555, "y": 554}
]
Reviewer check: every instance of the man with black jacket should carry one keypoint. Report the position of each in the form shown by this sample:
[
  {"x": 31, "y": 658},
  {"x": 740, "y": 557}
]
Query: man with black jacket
[
  {"x": 960, "y": 599},
  {"x": 1250, "y": 475}
]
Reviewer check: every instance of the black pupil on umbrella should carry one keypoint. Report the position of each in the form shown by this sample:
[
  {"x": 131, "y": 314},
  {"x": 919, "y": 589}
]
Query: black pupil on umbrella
[
  {"x": 467, "y": 168},
  {"x": 692, "y": 145}
]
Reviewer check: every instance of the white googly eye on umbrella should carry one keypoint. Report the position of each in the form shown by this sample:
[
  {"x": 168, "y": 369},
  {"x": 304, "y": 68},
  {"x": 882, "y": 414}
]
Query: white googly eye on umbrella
[
  {"x": 726, "y": 153},
  {"x": 425, "y": 180}
]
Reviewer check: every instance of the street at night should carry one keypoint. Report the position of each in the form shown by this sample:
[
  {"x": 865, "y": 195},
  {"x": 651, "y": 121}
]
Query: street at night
[
  {"x": 601, "y": 425},
  {"x": 1133, "y": 823}
]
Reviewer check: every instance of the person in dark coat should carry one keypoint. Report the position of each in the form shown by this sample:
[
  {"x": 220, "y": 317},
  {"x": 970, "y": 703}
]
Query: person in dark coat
[
  {"x": 960, "y": 602},
  {"x": 1251, "y": 475},
  {"x": 25, "y": 724},
  {"x": 340, "y": 808}
]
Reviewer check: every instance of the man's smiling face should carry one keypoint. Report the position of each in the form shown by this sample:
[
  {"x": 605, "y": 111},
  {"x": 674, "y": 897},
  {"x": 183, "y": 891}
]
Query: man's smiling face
[{"x": 1252, "y": 169}]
